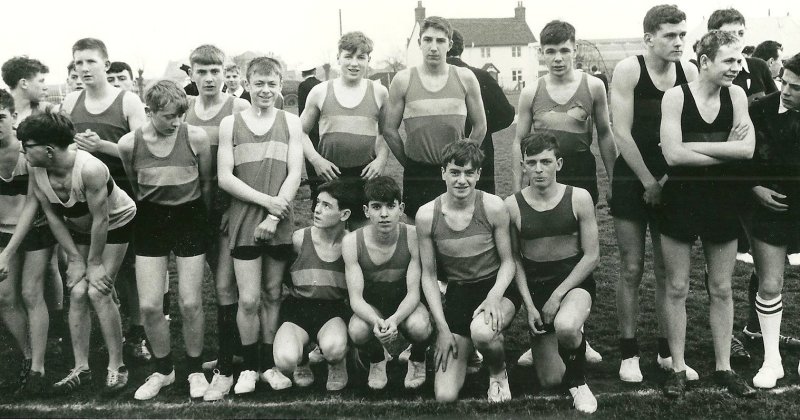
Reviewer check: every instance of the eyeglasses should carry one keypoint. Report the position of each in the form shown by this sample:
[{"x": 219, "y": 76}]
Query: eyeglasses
[{"x": 26, "y": 146}]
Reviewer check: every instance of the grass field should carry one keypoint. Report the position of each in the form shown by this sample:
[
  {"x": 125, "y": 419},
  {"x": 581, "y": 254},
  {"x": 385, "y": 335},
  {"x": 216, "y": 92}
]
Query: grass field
[{"x": 616, "y": 399}]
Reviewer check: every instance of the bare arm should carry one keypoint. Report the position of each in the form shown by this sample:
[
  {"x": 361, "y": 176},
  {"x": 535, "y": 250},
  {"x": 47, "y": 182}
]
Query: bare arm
[
  {"x": 410, "y": 302},
  {"x": 125, "y": 147},
  {"x": 309, "y": 119},
  {"x": 95, "y": 175},
  {"x": 524, "y": 127},
  {"x": 427, "y": 257},
  {"x": 355, "y": 281},
  {"x": 737, "y": 147},
  {"x": 605, "y": 136},
  {"x": 675, "y": 152},
  {"x": 24, "y": 224},
  {"x": 519, "y": 274},
  {"x": 395, "y": 105},
  {"x": 198, "y": 140},
  {"x": 475, "y": 111},
  {"x": 376, "y": 167},
  {"x": 590, "y": 243},
  {"x": 294, "y": 159}
]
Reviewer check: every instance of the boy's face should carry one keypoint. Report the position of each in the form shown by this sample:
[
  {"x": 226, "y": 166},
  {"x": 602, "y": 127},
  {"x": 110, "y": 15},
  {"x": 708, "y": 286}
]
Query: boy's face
[
  {"x": 74, "y": 81},
  {"x": 559, "y": 58},
  {"x": 208, "y": 78},
  {"x": 232, "y": 81},
  {"x": 541, "y": 168},
  {"x": 725, "y": 66},
  {"x": 37, "y": 89},
  {"x": 668, "y": 41},
  {"x": 327, "y": 213},
  {"x": 264, "y": 89},
  {"x": 122, "y": 80},
  {"x": 776, "y": 64},
  {"x": 7, "y": 120},
  {"x": 36, "y": 153},
  {"x": 166, "y": 121},
  {"x": 434, "y": 44},
  {"x": 790, "y": 90},
  {"x": 383, "y": 215},
  {"x": 91, "y": 66},
  {"x": 353, "y": 65},
  {"x": 460, "y": 179},
  {"x": 736, "y": 29}
]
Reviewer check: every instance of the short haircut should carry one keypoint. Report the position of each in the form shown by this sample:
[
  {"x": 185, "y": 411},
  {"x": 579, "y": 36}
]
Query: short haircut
[
  {"x": 232, "y": 67},
  {"x": 21, "y": 67},
  {"x": 119, "y": 67},
  {"x": 91, "y": 44},
  {"x": 264, "y": 66},
  {"x": 594, "y": 68},
  {"x": 538, "y": 142},
  {"x": 70, "y": 66},
  {"x": 458, "y": 45},
  {"x": 344, "y": 193},
  {"x": 711, "y": 42},
  {"x": 7, "y": 101},
  {"x": 436, "y": 22},
  {"x": 749, "y": 50},
  {"x": 793, "y": 64},
  {"x": 207, "y": 55},
  {"x": 724, "y": 16},
  {"x": 305, "y": 73},
  {"x": 354, "y": 41},
  {"x": 767, "y": 50},
  {"x": 47, "y": 128},
  {"x": 163, "y": 93},
  {"x": 461, "y": 153},
  {"x": 661, "y": 14},
  {"x": 555, "y": 32},
  {"x": 383, "y": 189}
]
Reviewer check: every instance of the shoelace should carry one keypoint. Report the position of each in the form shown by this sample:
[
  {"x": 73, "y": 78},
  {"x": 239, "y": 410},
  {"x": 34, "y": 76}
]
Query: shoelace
[
  {"x": 737, "y": 347},
  {"x": 112, "y": 378},
  {"x": 72, "y": 380},
  {"x": 495, "y": 388}
]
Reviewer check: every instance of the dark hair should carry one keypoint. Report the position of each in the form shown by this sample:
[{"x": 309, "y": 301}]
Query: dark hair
[
  {"x": 724, "y": 16},
  {"x": 119, "y": 67},
  {"x": 163, "y": 93},
  {"x": 556, "y": 32},
  {"x": 7, "y": 101},
  {"x": 436, "y": 22},
  {"x": 793, "y": 64},
  {"x": 305, "y": 73},
  {"x": 538, "y": 142},
  {"x": 594, "y": 68},
  {"x": 462, "y": 152},
  {"x": 749, "y": 50},
  {"x": 711, "y": 42},
  {"x": 354, "y": 41},
  {"x": 661, "y": 14},
  {"x": 264, "y": 66},
  {"x": 70, "y": 66},
  {"x": 458, "y": 44},
  {"x": 47, "y": 128},
  {"x": 345, "y": 194},
  {"x": 767, "y": 50},
  {"x": 21, "y": 67},
  {"x": 91, "y": 44},
  {"x": 383, "y": 189}
]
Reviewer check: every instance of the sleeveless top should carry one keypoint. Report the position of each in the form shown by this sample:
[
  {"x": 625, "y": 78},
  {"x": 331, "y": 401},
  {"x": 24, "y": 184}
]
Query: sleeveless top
[
  {"x": 647, "y": 117},
  {"x": 468, "y": 255},
  {"x": 110, "y": 125},
  {"x": 695, "y": 129},
  {"x": 347, "y": 135},
  {"x": 571, "y": 122},
  {"x": 170, "y": 180},
  {"x": 260, "y": 162},
  {"x": 12, "y": 195},
  {"x": 433, "y": 120},
  {"x": 394, "y": 269},
  {"x": 314, "y": 278},
  {"x": 75, "y": 210},
  {"x": 211, "y": 125}
]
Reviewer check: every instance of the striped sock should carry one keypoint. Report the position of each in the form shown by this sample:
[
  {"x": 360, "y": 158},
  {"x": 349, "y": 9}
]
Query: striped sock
[{"x": 769, "y": 316}]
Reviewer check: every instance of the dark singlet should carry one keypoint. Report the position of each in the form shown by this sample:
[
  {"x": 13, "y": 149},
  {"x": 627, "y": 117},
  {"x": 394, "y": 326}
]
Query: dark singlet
[
  {"x": 392, "y": 273},
  {"x": 347, "y": 135},
  {"x": 12, "y": 195},
  {"x": 170, "y": 180},
  {"x": 313, "y": 278},
  {"x": 110, "y": 124},
  {"x": 468, "y": 255}
]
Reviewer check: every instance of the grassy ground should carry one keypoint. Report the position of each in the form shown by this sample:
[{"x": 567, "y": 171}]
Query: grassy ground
[{"x": 616, "y": 399}]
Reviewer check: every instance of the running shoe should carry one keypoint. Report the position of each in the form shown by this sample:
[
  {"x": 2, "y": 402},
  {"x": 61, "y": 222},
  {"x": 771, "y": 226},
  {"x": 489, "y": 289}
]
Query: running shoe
[
  {"x": 76, "y": 378},
  {"x": 499, "y": 391},
  {"x": 303, "y": 376},
  {"x": 377, "y": 378},
  {"x": 767, "y": 377},
  {"x": 675, "y": 385},
  {"x": 198, "y": 385},
  {"x": 246, "y": 382},
  {"x": 735, "y": 384},
  {"x": 739, "y": 354},
  {"x": 116, "y": 380},
  {"x": 629, "y": 370},
  {"x": 416, "y": 374},
  {"x": 219, "y": 387},
  {"x": 276, "y": 379},
  {"x": 337, "y": 376},
  {"x": 583, "y": 400},
  {"x": 666, "y": 364},
  {"x": 153, "y": 384}
]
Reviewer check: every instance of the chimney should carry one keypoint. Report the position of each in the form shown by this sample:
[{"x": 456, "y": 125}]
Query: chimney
[
  {"x": 519, "y": 11},
  {"x": 419, "y": 13}
]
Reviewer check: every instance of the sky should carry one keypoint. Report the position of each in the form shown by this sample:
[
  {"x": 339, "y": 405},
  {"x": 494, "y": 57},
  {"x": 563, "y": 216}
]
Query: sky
[{"x": 149, "y": 33}]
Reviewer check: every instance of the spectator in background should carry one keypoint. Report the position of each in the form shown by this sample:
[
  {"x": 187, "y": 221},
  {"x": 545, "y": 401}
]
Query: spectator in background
[
  {"x": 74, "y": 81},
  {"x": 309, "y": 74},
  {"x": 120, "y": 76},
  {"x": 25, "y": 77},
  {"x": 191, "y": 88},
  {"x": 747, "y": 51},
  {"x": 234, "y": 83},
  {"x": 600, "y": 75},
  {"x": 771, "y": 51}
]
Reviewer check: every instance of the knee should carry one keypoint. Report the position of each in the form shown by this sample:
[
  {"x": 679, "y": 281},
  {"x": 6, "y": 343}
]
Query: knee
[
  {"x": 418, "y": 327},
  {"x": 226, "y": 291},
  {"x": 272, "y": 294},
  {"x": 549, "y": 380},
  {"x": 151, "y": 311},
  {"x": 32, "y": 298},
  {"x": 285, "y": 359},
  {"x": 8, "y": 300},
  {"x": 676, "y": 291},
  {"x": 97, "y": 296},
  {"x": 249, "y": 305},
  {"x": 631, "y": 273},
  {"x": 359, "y": 331},
  {"x": 191, "y": 307},
  {"x": 770, "y": 287},
  {"x": 445, "y": 393},
  {"x": 334, "y": 348},
  {"x": 481, "y": 333},
  {"x": 720, "y": 291},
  {"x": 567, "y": 330}
]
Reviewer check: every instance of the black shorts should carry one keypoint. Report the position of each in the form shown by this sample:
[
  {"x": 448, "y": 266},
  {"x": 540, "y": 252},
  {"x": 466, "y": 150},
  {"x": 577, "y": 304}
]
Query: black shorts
[
  {"x": 352, "y": 177},
  {"x": 384, "y": 296},
  {"x": 774, "y": 228},
  {"x": 627, "y": 196},
  {"x": 249, "y": 253},
  {"x": 693, "y": 209},
  {"x": 580, "y": 170},
  {"x": 312, "y": 314},
  {"x": 38, "y": 238},
  {"x": 461, "y": 300},
  {"x": 120, "y": 235},
  {"x": 422, "y": 183},
  {"x": 182, "y": 229}
]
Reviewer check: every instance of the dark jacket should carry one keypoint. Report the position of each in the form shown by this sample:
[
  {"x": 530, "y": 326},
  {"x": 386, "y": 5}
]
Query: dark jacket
[
  {"x": 303, "y": 89},
  {"x": 760, "y": 77}
]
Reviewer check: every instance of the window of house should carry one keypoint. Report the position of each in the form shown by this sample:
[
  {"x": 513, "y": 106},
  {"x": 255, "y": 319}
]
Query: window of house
[
  {"x": 486, "y": 52},
  {"x": 516, "y": 75},
  {"x": 516, "y": 51}
]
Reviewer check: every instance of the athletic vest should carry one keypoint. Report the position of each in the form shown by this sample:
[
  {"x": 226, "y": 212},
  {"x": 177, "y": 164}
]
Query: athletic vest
[
  {"x": 75, "y": 210},
  {"x": 211, "y": 126},
  {"x": 646, "y": 128},
  {"x": 12, "y": 195},
  {"x": 109, "y": 124},
  {"x": 347, "y": 135},
  {"x": 468, "y": 255},
  {"x": 433, "y": 120},
  {"x": 313, "y": 278},
  {"x": 548, "y": 235},
  {"x": 571, "y": 122},
  {"x": 170, "y": 180},
  {"x": 260, "y": 162},
  {"x": 394, "y": 269}
]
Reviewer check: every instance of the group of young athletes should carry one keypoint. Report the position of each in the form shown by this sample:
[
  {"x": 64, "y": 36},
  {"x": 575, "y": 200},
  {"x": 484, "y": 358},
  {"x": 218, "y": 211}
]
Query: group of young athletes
[{"x": 212, "y": 178}]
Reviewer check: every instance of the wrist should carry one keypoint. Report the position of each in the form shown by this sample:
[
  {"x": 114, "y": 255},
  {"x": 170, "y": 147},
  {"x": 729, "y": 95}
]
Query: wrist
[{"x": 273, "y": 218}]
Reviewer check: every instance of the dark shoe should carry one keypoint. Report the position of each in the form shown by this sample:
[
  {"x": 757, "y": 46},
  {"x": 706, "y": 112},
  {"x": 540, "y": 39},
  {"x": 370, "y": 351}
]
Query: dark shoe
[
  {"x": 35, "y": 386},
  {"x": 675, "y": 386},
  {"x": 786, "y": 342},
  {"x": 74, "y": 380},
  {"x": 734, "y": 383},
  {"x": 739, "y": 354}
]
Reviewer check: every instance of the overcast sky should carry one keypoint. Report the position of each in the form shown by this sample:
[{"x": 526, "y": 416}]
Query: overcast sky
[{"x": 149, "y": 33}]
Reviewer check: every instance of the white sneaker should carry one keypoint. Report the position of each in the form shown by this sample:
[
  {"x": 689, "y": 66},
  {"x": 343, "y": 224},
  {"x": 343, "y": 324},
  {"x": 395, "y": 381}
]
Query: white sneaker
[
  {"x": 794, "y": 259},
  {"x": 592, "y": 356},
  {"x": 276, "y": 379},
  {"x": 499, "y": 390},
  {"x": 405, "y": 354},
  {"x": 337, "y": 376},
  {"x": 210, "y": 365},
  {"x": 666, "y": 364},
  {"x": 768, "y": 376},
  {"x": 198, "y": 385},
  {"x": 246, "y": 382},
  {"x": 526, "y": 359},
  {"x": 744, "y": 257},
  {"x": 415, "y": 376},
  {"x": 315, "y": 356},
  {"x": 475, "y": 361},
  {"x": 377, "y": 375},
  {"x": 629, "y": 370},
  {"x": 583, "y": 399},
  {"x": 153, "y": 385},
  {"x": 303, "y": 376},
  {"x": 220, "y": 387}
]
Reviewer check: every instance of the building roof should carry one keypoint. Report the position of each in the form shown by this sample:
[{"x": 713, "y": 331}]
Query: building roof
[{"x": 490, "y": 32}]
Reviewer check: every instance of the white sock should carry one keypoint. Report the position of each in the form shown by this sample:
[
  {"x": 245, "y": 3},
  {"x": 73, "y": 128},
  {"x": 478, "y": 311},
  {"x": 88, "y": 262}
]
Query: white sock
[{"x": 769, "y": 317}]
